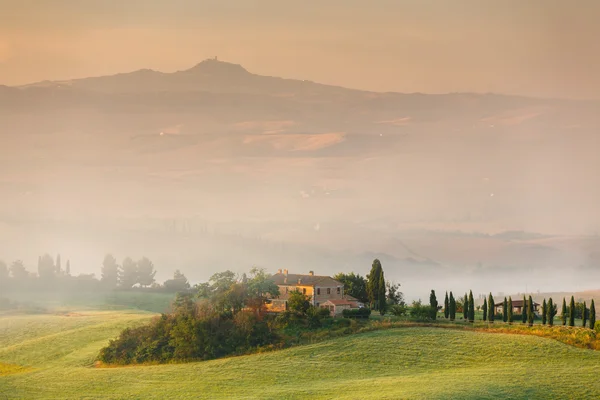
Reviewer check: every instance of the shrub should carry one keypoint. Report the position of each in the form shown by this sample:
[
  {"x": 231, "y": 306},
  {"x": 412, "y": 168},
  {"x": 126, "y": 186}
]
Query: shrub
[
  {"x": 420, "y": 312},
  {"x": 398, "y": 310},
  {"x": 357, "y": 313},
  {"x": 597, "y": 326}
]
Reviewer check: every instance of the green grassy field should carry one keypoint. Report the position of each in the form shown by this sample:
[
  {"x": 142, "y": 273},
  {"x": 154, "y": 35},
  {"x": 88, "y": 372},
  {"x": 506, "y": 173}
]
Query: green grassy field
[{"x": 52, "y": 357}]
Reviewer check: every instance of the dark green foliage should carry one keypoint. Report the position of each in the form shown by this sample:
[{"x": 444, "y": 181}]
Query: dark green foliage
[
  {"x": 471, "y": 307},
  {"x": 584, "y": 314},
  {"x": 354, "y": 285},
  {"x": 145, "y": 272},
  {"x": 592, "y": 315},
  {"x": 551, "y": 312},
  {"x": 179, "y": 283},
  {"x": 530, "y": 314},
  {"x": 357, "y": 313},
  {"x": 466, "y": 307},
  {"x": 544, "y": 312},
  {"x": 420, "y": 312},
  {"x": 524, "y": 310},
  {"x": 491, "y": 308},
  {"x": 398, "y": 310},
  {"x": 572, "y": 312},
  {"x": 446, "y": 306},
  {"x": 433, "y": 304},
  {"x": 381, "y": 302},
  {"x": 394, "y": 296},
  {"x": 509, "y": 311},
  {"x": 452, "y": 303},
  {"x": 505, "y": 310},
  {"x": 298, "y": 302},
  {"x": 485, "y": 309},
  {"x": 564, "y": 312}
]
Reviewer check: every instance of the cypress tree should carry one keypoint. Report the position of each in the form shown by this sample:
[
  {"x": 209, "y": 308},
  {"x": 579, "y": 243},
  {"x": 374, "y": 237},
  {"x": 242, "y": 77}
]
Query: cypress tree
[
  {"x": 584, "y": 315},
  {"x": 572, "y": 312},
  {"x": 433, "y": 304},
  {"x": 530, "y": 311},
  {"x": 509, "y": 312},
  {"x": 592, "y": 315},
  {"x": 382, "y": 303},
  {"x": 544, "y": 312},
  {"x": 564, "y": 312},
  {"x": 485, "y": 309},
  {"x": 471, "y": 307},
  {"x": 466, "y": 307},
  {"x": 491, "y": 309},
  {"x": 452, "y": 307},
  {"x": 551, "y": 312},
  {"x": 373, "y": 284},
  {"x": 446, "y": 306},
  {"x": 524, "y": 310},
  {"x": 504, "y": 310}
]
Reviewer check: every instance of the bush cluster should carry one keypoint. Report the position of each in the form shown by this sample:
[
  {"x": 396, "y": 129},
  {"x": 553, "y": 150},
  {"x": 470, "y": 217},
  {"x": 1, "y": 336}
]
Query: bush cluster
[{"x": 357, "y": 313}]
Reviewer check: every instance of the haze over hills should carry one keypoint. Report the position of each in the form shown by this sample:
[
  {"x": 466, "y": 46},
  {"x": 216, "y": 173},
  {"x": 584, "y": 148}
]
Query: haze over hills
[{"x": 215, "y": 167}]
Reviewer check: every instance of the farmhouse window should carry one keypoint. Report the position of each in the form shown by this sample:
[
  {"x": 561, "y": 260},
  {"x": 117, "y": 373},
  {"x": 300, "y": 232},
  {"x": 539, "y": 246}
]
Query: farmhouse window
[{"x": 328, "y": 290}]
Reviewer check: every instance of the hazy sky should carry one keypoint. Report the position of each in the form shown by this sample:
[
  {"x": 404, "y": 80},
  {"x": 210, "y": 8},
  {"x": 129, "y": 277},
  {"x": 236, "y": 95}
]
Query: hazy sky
[{"x": 536, "y": 47}]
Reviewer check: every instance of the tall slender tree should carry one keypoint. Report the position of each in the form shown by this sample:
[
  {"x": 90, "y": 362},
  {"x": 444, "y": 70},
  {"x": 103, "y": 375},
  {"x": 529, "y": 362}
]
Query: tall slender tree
[
  {"x": 509, "y": 312},
  {"x": 551, "y": 312},
  {"x": 446, "y": 306},
  {"x": 544, "y": 312},
  {"x": 524, "y": 310},
  {"x": 491, "y": 308},
  {"x": 433, "y": 303},
  {"x": 572, "y": 312},
  {"x": 466, "y": 307},
  {"x": 381, "y": 297},
  {"x": 452, "y": 302},
  {"x": 485, "y": 309},
  {"x": 373, "y": 284},
  {"x": 584, "y": 315},
  {"x": 530, "y": 311},
  {"x": 564, "y": 312},
  {"x": 504, "y": 310},
  {"x": 58, "y": 265},
  {"x": 592, "y": 315},
  {"x": 471, "y": 307}
]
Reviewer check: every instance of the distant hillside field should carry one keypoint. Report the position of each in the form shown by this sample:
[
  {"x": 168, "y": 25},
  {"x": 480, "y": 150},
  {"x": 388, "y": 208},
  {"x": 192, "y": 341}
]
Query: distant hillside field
[{"x": 57, "y": 354}]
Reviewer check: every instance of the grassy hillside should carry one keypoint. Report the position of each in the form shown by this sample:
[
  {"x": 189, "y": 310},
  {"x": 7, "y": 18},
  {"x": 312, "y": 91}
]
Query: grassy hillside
[{"x": 58, "y": 354}]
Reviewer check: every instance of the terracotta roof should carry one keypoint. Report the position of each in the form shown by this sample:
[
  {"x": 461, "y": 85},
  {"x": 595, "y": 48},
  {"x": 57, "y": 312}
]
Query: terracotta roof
[
  {"x": 515, "y": 303},
  {"x": 340, "y": 302},
  {"x": 306, "y": 280}
]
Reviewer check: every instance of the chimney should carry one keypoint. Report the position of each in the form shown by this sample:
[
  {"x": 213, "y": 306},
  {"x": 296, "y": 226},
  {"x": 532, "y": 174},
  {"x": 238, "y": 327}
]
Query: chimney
[
  {"x": 279, "y": 271},
  {"x": 311, "y": 273},
  {"x": 285, "y": 271}
]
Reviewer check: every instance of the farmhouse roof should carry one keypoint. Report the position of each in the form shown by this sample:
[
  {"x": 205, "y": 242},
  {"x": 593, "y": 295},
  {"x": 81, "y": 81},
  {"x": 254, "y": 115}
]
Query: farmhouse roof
[
  {"x": 515, "y": 303},
  {"x": 283, "y": 279},
  {"x": 340, "y": 302}
]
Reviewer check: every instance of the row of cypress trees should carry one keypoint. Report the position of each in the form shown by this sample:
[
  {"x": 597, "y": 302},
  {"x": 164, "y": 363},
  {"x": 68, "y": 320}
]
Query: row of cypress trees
[{"x": 585, "y": 313}]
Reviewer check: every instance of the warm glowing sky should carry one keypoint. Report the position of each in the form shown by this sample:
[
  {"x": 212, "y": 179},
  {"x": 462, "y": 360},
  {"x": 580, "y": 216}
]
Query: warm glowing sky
[{"x": 537, "y": 47}]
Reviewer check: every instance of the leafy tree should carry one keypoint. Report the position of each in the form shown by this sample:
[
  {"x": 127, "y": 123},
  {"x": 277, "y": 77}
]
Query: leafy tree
[
  {"x": 394, "y": 295},
  {"x": 466, "y": 307},
  {"x": 551, "y": 312},
  {"x": 46, "y": 268},
  {"x": 298, "y": 302},
  {"x": 572, "y": 312},
  {"x": 485, "y": 309},
  {"x": 524, "y": 310},
  {"x": 505, "y": 310},
  {"x": 530, "y": 314},
  {"x": 491, "y": 308},
  {"x": 260, "y": 288},
  {"x": 592, "y": 315},
  {"x": 544, "y": 312},
  {"x": 128, "y": 273},
  {"x": 18, "y": 271},
  {"x": 146, "y": 272},
  {"x": 452, "y": 303},
  {"x": 564, "y": 312},
  {"x": 471, "y": 307},
  {"x": 179, "y": 283},
  {"x": 446, "y": 306},
  {"x": 584, "y": 315},
  {"x": 356, "y": 286},
  {"x": 110, "y": 272},
  {"x": 433, "y": 303},
  {"x": 509, "y": 311},
  {"x": 381, "y": 298}
]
